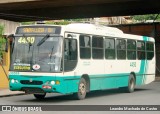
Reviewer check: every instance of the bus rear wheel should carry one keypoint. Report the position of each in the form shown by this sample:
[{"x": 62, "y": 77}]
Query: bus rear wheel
[
  {"x": 82, "y": 90},
  {"x": 131, "y": 84},
  {"x": 40, "y": 96}
]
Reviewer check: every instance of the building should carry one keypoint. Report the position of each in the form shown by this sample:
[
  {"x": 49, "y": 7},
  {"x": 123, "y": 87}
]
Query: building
[{"x": 112, "y": 20}]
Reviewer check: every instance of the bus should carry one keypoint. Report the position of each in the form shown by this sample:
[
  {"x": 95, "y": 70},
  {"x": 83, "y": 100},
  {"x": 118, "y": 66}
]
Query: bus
[{"x": 79, "y": 58}]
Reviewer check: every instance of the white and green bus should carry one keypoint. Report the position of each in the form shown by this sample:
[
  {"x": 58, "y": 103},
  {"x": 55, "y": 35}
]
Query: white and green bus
[{"x": 79, "y": 58}]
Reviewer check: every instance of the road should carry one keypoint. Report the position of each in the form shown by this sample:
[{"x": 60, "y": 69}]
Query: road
[{"x": 143, "y": 95}]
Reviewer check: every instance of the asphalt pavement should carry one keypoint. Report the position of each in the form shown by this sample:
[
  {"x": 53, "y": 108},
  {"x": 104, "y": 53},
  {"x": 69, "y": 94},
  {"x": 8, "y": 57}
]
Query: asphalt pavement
[{"x": 144, "y": 95}]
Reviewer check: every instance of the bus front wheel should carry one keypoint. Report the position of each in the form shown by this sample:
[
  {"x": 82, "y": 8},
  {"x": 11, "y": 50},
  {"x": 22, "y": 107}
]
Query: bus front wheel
[
  {"x": 40, "y": 96},
  {"x": 82, "y": 90}
]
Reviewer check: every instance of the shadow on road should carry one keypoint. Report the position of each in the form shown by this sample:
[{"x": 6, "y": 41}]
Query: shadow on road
[
  {"x": 111, "y": 92},
  {"x": 93, "y": 94}
]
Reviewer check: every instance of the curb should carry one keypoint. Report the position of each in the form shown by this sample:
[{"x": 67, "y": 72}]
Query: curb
[
  {"x": 157, "y": 79},
  {"x": 10, "y": 93}
]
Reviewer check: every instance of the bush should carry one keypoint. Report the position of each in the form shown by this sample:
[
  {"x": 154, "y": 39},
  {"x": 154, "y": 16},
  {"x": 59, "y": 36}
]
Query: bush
[{"x": 2, "y": 41}]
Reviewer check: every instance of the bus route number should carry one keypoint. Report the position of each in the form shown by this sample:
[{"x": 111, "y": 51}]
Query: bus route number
[
  {"x": 23, "y": 40},
  {"x": 133, "y": 64}
]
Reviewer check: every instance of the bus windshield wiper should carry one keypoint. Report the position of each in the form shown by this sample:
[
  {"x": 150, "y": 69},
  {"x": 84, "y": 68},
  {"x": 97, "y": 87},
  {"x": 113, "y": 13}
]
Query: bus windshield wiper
[
  {"x": 43, "y": 40},
  {"x": 30, "y": 44}
]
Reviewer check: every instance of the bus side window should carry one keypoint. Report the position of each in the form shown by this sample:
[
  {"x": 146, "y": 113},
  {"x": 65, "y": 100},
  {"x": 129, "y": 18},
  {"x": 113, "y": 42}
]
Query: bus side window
[
  {"x": 121, "y": 48},
  {"x": 70, "y": 54},
  {"x": 131, "y": 49},
  {"x": 150, "y": 50},
  {"x": 66, "y": 49},
  {"x": 85, "y": 46},
  {"x": 141, "y": 50},
  {"x": 97, "y": 47},
  {"x": 109, "y": 48}
]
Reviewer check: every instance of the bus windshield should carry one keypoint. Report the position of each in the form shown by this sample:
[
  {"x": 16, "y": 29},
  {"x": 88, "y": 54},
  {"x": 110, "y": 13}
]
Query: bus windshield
[{"x": 28, "y": 55}]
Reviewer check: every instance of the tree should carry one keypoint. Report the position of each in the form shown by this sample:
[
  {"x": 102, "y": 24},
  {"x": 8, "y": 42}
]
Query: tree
[
  {"x": 2, "y": 41},
  {"x": 143, "y": 18}
]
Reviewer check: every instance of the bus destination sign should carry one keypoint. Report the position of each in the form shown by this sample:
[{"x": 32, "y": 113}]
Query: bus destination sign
[{"x": 38, "y": 30}]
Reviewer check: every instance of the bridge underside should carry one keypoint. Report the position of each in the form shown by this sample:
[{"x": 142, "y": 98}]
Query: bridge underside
[{"x": 31, "y": 10}]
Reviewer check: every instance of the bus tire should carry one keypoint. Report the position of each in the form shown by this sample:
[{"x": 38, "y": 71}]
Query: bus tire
[
  {"x": 131, "y": 84},
  {"x": 82, "y": 90},
  {"x": 40, "y": 96}
]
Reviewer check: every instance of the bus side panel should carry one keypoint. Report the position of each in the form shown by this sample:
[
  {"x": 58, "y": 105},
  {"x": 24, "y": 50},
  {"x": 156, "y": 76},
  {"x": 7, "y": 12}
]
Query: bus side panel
[
  {"x": 122, "y": 81},
  {"x": 95, "y": 83},
  {"x": 141, "y": 73},
  {"x": 109, "y": 81},
  {"x": 139, "y": 79},
  {"x": 72, "y": 81},
  {"x": 146, "y": 73},
  {"x": 72, "y": 86},
  {"x": 150, "y": 68},
  {"x": 102, "y": 83}
]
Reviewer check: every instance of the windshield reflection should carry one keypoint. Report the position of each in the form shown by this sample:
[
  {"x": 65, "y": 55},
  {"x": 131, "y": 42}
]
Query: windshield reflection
[{"x": 45, "y": 57}]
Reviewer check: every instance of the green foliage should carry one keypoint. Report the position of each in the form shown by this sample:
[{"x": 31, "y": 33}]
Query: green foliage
[
  {"x": 2, "y": 41},
  {"x": 58, "y": 22},
  {"x": 28, "y": 23},
  {"x": 146, "y": 17},
  {"x": 65, "y": 22}
]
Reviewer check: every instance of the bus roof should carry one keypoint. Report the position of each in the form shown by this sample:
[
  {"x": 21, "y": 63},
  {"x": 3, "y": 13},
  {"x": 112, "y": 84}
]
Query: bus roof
[
  {"x": 103, "y": 30},
  {"x": 85, "y": 28},
  {"x": 91, "y": 28}
]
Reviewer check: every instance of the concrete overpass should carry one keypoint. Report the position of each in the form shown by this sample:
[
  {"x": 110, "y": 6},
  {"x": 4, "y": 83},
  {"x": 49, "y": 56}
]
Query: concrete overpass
[{"x": 30, "y": 10}]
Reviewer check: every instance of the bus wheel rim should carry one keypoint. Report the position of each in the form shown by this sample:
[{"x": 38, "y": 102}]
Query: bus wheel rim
[
  {"x": 82, "y": 88},
  {"x": 132, "y": 84}
]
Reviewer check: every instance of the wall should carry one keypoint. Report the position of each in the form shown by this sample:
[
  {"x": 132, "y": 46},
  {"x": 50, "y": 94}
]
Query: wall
[
  {"x": 3, "y": 78},
  {"x": 10, "y": 28}
]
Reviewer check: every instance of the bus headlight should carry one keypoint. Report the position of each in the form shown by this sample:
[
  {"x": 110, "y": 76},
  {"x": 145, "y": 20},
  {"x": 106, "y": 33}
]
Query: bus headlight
[
  {"x": 52, "y": 82},
  {"x": 14, "y": 81}
]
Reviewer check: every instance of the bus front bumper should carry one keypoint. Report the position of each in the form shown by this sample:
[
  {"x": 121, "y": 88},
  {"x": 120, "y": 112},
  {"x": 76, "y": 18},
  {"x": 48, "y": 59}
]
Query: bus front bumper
[{"x": 43, "y": 84}]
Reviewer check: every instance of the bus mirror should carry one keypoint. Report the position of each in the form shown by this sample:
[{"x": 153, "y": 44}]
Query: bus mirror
[
  {"x": 11, "y": 36},
  {"x": 69, "y": 36},
  {"x": 6, "y": 46}
]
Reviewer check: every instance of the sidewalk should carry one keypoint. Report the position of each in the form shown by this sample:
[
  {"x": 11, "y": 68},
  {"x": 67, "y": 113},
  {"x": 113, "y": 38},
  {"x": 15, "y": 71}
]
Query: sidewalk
[
  {"x": 157, "y": 79},
  {"x": 7, "y": 93}
]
